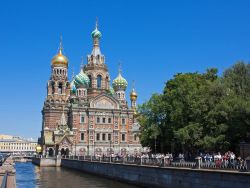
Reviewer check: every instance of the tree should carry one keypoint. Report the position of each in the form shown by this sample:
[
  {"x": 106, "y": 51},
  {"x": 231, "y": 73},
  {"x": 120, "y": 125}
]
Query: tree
[{"x": 199, "y": 112}]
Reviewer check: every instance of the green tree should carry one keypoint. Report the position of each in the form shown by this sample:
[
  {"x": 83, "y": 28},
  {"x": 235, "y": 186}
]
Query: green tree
[{"x": 199, "y": 111}]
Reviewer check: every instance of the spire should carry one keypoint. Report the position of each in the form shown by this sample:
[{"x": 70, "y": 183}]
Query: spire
[{"x": 133, "y": 97}]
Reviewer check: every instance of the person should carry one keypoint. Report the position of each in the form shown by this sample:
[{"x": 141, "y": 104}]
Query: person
[{"x": 181, "y": 157}]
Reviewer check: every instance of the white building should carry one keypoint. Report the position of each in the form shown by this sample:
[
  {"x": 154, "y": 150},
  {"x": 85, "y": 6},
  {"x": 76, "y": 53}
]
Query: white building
[{"x": 17, "y": 145}]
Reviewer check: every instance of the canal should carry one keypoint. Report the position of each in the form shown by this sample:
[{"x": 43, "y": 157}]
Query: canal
[{"x": 30, "y": 176}]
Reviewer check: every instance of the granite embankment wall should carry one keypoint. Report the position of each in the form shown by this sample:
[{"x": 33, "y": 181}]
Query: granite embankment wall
[
  {"x": 157, "y": 177},
  {"x": 8, "y": 174},
  {"x": 47, "y": 161}
]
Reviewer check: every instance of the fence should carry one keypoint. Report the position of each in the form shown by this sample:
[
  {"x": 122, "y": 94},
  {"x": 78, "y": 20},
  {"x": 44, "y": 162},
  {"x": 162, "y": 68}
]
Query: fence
[{"x": 234, "y": 165}]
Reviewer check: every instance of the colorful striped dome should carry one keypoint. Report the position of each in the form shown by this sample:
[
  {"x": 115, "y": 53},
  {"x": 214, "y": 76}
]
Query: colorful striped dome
[
  {"x": 81, "y": 80},
  {"x": 119, "y": 83},
  {"x": 96, "y": 34}
]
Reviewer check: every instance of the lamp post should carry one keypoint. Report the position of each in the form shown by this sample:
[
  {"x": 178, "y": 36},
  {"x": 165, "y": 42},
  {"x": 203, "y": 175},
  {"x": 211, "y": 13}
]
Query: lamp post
[
  {"x": 110, "y": 150},
  {"x": 155, "y": 143},
  {"x": 75, "y": 146}
]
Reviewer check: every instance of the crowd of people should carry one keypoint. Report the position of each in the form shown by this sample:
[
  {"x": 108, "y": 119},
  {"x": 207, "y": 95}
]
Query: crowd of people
[{"x": 226, "y": 160}]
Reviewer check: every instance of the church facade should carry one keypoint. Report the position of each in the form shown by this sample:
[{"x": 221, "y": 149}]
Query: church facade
[{"x": 88, "y": 115}]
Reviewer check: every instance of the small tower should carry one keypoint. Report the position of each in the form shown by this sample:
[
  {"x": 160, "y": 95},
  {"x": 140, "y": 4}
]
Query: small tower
[
  {"x": 120, "y": 84},
  {"x": 58, "y": 86},
  {"x": 133, "y": 98},
  {"x": 96, "y": 69}
]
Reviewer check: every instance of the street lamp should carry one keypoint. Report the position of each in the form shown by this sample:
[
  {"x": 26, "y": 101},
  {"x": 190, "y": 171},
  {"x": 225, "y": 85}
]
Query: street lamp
[
  {"x": 110, "y": 150},
  {"x": 75, "y": 146},
  {"x": 155, "y": 143}
]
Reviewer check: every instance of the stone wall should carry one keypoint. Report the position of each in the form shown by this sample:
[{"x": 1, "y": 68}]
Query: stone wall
[
  {"x": 162, "y": 177},
  {"x": 8, "y": 167},
  {"x": 47, "y": 161}
]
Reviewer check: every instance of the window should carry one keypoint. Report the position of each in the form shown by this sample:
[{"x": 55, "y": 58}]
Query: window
[
  {"x": 109, "y": 137},
  {"x": 90, "y": 80},
  {"x": 99, "y": 81},
  {"x": 123, "y": 121},
  {"x": 103, "y": 120},
  {"x": 97, "y": 136},
  {"x": 82, "y": 136},
  {"x": 103, "y": 136},
  {"x": 135, "y": 137},
  {"x": 60, "y": 88},
  {"x": 82, "y": 119},
  {"x": 109, "y": 120},
  {"x": 123, "y": 137},
  {"x": 98, "y": 120},
  {"x": 53, "y": 88}
]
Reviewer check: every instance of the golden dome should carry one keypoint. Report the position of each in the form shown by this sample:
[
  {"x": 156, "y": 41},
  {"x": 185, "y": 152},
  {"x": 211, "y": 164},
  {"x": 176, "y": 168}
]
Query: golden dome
[
  {"x": 133, "y": 95},
  {"x": 60, "y": 59}
]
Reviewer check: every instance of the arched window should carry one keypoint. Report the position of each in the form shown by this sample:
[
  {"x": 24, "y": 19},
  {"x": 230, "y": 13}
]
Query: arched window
[
  {"x": 53, "y": 88},
  {"x": 60, "y": 88},
  {"x": 99, "y": 81},
  {"x": 90, "y": 80}
]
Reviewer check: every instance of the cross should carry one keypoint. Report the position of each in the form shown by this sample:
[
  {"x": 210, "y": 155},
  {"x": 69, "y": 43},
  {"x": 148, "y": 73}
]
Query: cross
[
  {"x": 96, "y": 23},
  {"x": 60, "y": 44},
  {"x": 82, "y": 63},
  {"x": 120, "y": 67}
]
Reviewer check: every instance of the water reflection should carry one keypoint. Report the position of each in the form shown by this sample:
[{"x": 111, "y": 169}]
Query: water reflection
[{"x": 29, "y": 176}]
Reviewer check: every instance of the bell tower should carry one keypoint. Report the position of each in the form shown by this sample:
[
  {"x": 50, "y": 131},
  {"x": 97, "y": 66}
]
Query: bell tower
[
  {"x": 96, "y": 69},
  {"x": 58, "y": 90}
]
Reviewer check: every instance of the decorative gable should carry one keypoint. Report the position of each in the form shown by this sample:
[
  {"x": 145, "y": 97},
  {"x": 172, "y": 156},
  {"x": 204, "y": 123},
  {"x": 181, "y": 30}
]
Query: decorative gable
[{"x": 104, "y": 102}]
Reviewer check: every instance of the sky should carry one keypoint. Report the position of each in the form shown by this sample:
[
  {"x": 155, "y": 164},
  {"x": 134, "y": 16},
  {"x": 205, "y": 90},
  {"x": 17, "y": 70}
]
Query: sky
[{"x": 153, "y": 40}]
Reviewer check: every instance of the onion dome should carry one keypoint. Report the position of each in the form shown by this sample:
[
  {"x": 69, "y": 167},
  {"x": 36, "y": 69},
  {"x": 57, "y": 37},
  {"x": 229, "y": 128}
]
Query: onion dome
[
  {"x": 133, "y": 95},
  {"x": 73, "y": 86},
  {"x": 81, "y": 80},
  {"x": 119, "y": 83},
  {"x": 96, "y": 33},
  {"x": 60, "y": 59}
]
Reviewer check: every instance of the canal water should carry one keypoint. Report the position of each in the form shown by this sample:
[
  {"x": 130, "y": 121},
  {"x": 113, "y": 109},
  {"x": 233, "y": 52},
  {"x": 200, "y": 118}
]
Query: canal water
[{"x": 30, "y": 176}]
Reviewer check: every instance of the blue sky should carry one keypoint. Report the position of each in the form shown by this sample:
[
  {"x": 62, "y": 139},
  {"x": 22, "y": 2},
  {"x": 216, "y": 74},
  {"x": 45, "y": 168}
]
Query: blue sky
[{"x": 153, "y": 39}]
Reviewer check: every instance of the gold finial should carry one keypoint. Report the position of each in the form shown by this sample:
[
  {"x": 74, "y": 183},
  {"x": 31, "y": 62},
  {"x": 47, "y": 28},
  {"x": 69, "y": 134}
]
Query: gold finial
[
  {"x": 96, "y": 23},
  {"x": 60, "y": 45},
  {"x": 133, "y": 94}
]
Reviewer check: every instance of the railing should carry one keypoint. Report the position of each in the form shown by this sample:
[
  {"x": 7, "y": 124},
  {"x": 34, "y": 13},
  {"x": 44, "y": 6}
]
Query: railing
[
  {"x": 4, "y": 181},
  {"x": 166, "y": 162}
]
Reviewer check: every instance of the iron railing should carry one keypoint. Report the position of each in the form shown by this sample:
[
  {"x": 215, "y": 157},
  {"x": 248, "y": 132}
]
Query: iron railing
[{"x": 234, "y": 165}]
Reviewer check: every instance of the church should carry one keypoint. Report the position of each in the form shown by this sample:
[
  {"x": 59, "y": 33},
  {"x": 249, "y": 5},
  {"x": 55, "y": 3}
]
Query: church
[{"x": 88, "y": 115}]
